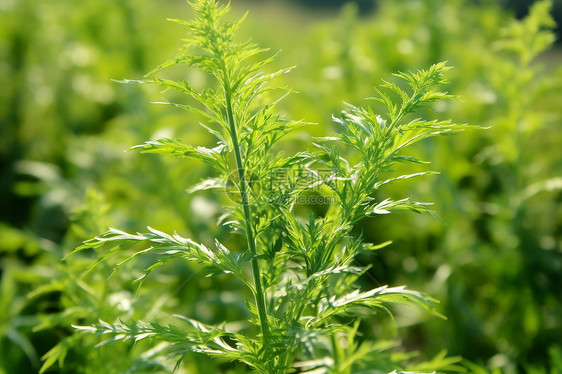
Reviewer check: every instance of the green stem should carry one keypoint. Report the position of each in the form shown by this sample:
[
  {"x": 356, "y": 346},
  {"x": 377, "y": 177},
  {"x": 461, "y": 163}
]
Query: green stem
[
  {"x": 260, "y": 298},
  {"x": 335, "y": 352}
]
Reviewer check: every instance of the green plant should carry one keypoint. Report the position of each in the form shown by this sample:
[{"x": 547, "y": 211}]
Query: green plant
[
  {"x": 298, "y": 261},
  {"x": 513, "y": 195}
]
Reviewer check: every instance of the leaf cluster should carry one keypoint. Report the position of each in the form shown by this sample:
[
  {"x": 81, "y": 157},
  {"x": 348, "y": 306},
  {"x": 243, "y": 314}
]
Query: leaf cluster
[{"x": 303, "y": 273}]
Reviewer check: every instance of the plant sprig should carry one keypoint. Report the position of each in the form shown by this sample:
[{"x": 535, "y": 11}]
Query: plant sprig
[{"x": 302, "y": 269}]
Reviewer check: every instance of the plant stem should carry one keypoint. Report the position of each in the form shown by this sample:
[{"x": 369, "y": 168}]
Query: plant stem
[
  {"x": 260, "y": 298},
  {"x": 335, "y": 351}
]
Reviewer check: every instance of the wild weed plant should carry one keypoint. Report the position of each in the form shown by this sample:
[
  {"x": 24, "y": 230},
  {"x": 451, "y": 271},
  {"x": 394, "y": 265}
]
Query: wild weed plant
[{"x": 299, "y": 265}]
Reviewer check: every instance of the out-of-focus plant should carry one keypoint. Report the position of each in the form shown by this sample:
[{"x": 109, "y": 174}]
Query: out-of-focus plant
[
  {"x": 515, "y": 247},
  {"x": 62, "y": 131}
]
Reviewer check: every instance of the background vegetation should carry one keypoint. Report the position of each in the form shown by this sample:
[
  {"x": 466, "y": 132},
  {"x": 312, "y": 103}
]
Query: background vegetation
[{"x": 496, "y": 265}]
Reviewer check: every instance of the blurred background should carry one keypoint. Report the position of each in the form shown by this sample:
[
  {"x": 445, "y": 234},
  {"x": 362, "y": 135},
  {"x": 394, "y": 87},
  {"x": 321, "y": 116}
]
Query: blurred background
[{"x": 496, "y": 265}]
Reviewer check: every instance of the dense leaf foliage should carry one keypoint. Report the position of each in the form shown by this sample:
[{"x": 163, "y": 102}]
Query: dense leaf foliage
[{"x": 303, "y": 270}]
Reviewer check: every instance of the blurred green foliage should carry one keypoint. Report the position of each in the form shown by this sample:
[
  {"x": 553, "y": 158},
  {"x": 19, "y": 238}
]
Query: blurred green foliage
[{"x": 64, "y": 176}]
